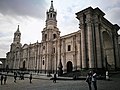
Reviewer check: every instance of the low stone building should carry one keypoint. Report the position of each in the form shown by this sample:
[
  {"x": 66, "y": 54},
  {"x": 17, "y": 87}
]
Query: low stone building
[{"x": 93, "y": 46}]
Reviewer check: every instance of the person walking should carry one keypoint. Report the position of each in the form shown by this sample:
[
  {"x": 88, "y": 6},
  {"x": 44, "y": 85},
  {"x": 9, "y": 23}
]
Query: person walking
[
  {"x": 54, "y": 78},
  {"x": 94, "y": 80},
  {"x": 1, "y": 79},
  {"x": 89, "y": 80},
  {"x": 30, "y": 78},
  {"x": 15, "y": 77},
  {"x": 5, "y": 79}
]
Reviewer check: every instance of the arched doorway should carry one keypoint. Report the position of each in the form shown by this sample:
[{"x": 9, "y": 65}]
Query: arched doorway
[
  {"x": 108, "y": 51},
  {"x": 69, "y": 66}
]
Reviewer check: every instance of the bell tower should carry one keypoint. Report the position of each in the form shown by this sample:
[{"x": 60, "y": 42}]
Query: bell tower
[
  {"x": 50, "y": 32},
  {"x": 51, "y": 21},
  {"x": 17, "y": 36},
  {"x": 50, "y": 36},
  {"x": 16, "y": 40}
]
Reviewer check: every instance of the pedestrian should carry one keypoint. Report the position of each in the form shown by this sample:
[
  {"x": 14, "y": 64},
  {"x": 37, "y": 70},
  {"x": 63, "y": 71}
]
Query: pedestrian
[
  {"x": 89, "y": 80},
  {"x": 54, "y": 78},
  {"x": 15, "y": 77},
  {"x": 94, "y": 80},
  {"x": 74, "y": 77},
  {"x": 107, "y": 76},
  {"x": 30, "y": 78},
  {"x": 5, "y": 79},
  {"x": 1, "y": 79}
]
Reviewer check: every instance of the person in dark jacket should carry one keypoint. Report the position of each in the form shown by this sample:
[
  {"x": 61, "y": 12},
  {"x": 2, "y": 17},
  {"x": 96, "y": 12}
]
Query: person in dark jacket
[
  {"x": 1, "y": 79},
  {"x": 30, "y": 78},
  {"x": 54, "y": 78},
  {"x": 15, "y": 77},
  {"x": 5, "y": 79},
  {"x": 89, "y": 80}
]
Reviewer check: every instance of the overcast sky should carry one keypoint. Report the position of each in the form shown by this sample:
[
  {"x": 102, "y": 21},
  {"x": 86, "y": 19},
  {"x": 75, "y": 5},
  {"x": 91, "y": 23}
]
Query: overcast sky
[{"x": 31, "y": 16}]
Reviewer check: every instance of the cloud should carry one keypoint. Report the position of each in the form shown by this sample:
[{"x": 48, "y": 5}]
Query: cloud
[
  {"x": 32, "y": 8},
  {"x": 30, "y": 15},
  {"x": 114, "y": 14}
]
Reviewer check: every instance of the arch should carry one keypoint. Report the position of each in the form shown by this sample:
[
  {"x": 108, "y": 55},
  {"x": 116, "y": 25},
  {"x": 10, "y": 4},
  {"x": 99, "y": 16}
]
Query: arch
[
  {"x": 69, "y": 66},
  {"x": 108, "y": 50}
]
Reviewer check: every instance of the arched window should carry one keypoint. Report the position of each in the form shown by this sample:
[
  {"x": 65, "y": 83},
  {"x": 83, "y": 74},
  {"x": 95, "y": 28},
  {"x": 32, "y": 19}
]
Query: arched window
[
  {"x": 45, "y": 36},
  {"x": 43, "y": 47},
  {"x": 43, "y": 62},
  {"x": 48, "y": 16},
  {"x": 53, "y": 50},
  {"x": 54, "y": 36},
  {"x": 69, "y": 47},
  {"x": 53, "y": 15}
]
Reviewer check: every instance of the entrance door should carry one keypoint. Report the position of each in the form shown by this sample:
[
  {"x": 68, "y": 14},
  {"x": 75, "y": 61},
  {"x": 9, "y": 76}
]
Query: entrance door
[{"x": 69, "y": 66}]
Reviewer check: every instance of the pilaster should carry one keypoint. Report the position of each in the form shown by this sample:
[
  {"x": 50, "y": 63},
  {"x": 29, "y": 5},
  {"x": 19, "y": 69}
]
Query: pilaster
[
  {"x": 98, "y": 45},
  {"x": 90, "y": 45},
  {"x": 83, "y": 46}
]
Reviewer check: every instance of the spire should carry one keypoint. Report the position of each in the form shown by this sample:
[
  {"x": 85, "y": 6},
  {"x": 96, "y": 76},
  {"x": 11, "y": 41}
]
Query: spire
[
  {"x": 18, "y": 28},
  {"x": 18, "y": 31},
  {"x": 51, "y": 7},
  {"x": 17, "y": 36}
]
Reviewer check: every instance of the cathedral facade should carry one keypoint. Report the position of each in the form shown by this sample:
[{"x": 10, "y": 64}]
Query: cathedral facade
[{"x": 93, "y": 46}]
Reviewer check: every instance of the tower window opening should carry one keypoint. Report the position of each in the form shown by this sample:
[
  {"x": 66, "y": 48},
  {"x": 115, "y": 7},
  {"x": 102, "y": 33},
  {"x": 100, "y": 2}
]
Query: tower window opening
[
  {"x": 43, "y": 62},
  {"x": 54, "y": 36},
  {"x": 48, "y": 16},
  {"x": 53, "y": 50},
  {"x": 51, "y": 15},
  {"x": 45, "y": 36},
  {"x": 43, "y": 47},
  {"x": 69, "y": 47}
]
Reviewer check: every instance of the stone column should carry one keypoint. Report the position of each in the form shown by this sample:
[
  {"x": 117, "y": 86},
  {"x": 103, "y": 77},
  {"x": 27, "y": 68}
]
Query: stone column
[
  {"x": 28, "y": 58},
  {"x": 90, "y": 45},
  {"x": 59, "y": 52},
  {"x": 98, "y": 45},
  {"x": 19, "y": 59},
  {"x": 116, "y": 46},
  {"x": 74, "y": 55},
  {"x": 64, "y": 56},
  {"x": 14, "y": 65},
  {"x": 79, "y": 62},
  {"x": 83, "y": 47},
  {"x": 49, "y": 56}
]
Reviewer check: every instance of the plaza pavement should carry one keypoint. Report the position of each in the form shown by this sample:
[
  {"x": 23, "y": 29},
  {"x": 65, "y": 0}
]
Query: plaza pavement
[{"x": 44, "y": 83}]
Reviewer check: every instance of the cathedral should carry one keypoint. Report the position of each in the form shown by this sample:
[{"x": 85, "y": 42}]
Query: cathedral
[{"x": 93, "y": 46}]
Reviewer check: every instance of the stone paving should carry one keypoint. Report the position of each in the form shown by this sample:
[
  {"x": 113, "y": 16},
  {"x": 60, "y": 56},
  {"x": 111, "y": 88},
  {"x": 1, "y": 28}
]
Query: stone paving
[{"x": 40, "y": 84}]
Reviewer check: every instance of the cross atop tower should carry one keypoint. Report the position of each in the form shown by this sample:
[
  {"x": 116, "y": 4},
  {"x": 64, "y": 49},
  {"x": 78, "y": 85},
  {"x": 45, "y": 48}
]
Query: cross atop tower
[{"x": 51, "y": 7}]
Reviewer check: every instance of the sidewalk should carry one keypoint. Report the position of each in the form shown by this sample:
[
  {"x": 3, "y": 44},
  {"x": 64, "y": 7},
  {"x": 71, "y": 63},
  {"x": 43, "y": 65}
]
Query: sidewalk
[
  {"x": 46, "y": 77},
  {"x": 42, "y": 76}
]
